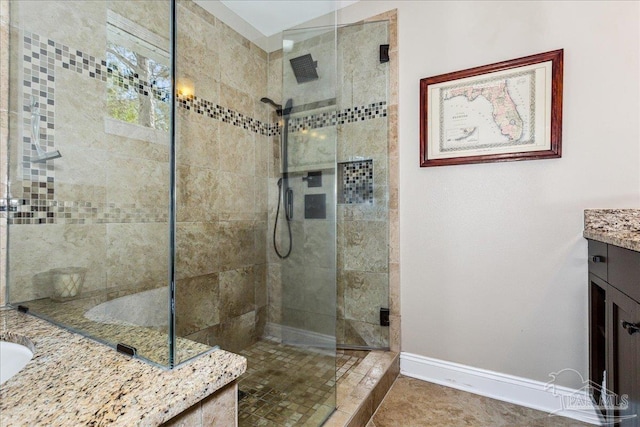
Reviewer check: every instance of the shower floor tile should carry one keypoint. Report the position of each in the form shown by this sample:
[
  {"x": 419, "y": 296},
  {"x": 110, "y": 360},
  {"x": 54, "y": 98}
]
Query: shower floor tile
[{"x": 289, "y": 386}]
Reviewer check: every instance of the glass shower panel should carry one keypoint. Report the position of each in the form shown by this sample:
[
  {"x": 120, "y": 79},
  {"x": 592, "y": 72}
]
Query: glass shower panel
[
  {"x": 89, "y": 168},
  {"x": 308, "y": 154},
  {"x": 363, "y": 186},
  {"x": 218, "y": 265}
]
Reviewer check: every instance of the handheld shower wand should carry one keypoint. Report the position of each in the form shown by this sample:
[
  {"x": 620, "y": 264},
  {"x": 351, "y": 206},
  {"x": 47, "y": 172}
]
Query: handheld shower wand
[{"x": 287, "y": 194}]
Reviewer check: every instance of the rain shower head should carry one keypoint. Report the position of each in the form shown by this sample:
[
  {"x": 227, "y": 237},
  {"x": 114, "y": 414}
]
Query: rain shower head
[
  {"x": 304, "y": 68},
  {"x": 44, "y": 156}
]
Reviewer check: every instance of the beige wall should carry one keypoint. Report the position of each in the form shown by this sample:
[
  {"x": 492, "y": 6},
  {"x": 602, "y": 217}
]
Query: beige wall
[{"x": 493, "y": 262}]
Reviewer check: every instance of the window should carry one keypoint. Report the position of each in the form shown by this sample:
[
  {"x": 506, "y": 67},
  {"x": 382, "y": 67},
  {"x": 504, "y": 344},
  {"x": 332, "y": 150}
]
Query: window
[{"x": 139, "y": 81}]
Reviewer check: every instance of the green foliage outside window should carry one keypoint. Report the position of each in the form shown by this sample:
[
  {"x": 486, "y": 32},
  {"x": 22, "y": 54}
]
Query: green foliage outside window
[{"x": 124, "y": 100}]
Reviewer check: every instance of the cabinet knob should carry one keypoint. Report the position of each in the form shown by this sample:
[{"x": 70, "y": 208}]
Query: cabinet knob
[
  {"x": 597, "y": 258},
  {"x": 632, "y": 328}
]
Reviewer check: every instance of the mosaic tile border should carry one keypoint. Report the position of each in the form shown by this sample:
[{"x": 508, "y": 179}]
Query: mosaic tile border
[
  {"x": 33, "y": 212},
  {"x": 226, "y": 115},
  {"x": 339, "y": 117},
  {"x": 53, "y": 54},
  {"x": 41, "y": 57}
]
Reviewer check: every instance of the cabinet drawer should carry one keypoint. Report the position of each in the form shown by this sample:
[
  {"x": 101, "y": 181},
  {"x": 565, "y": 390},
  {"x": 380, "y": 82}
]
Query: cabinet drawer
[
  {"x": 598, "y": 258},
  {"x": 624, "y": 270}
]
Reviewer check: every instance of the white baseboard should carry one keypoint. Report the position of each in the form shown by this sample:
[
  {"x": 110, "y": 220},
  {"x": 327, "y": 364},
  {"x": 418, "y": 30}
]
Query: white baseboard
[{"x": 538, "y": 395}]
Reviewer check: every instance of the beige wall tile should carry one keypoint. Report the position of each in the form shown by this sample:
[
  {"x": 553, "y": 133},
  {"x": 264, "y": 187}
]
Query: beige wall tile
[
  {"x": 197, "y": 140},
  {"x": 237, "y": 100},
  {"x": 239, "y": 332},
  {"x": 154, "y": 15},
  {"x": 4, "y": 11},
  {"x": 142, "y": 182},
  {"x": 260, "y": 285},
  {"x": 236, "y": 242},
  {"x": 37, "y": 248},
  {"x": 313, "y": 149},
  {"x": 53, "y": 19},
  {"x": 196, "y": 36},
  {"x": 221, "y": 409},
  {"x": 137, "y": 254},
  {"x": 365, "y": 246},
  {"x": 274, "y": 292},
  {"x": 364, "y": 294},
  {"x": 197, "y": 249},
  {"x": 192, "y": 417},
  {"x": 395, "y": 337},
  {"x": 394, "y": 236},
  {"x": 365, "y": 139},
  {"x": 197, "y": 303},
  {"x": 263, "y": 146},
  {"x": 196, "y": 194},
  {"x": 394, "y": 288},
  {"x": 236, "y": 193},
  {"x": 237, "y": 150},
  {"x": 241, "y": 68},
  {"x": 274, "y": 79},
  {"x": 237, "y": 292}
]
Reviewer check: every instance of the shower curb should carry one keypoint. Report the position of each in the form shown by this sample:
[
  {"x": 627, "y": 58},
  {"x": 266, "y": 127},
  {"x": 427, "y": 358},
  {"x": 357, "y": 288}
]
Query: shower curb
[{"x": 362, "y": 391}]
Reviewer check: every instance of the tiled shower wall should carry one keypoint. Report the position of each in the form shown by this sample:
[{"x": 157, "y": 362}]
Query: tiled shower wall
[
  {"x": 222, "y": 165},
  {"x": 104, "y": 204},
  {"x": 107, "y": 187}
]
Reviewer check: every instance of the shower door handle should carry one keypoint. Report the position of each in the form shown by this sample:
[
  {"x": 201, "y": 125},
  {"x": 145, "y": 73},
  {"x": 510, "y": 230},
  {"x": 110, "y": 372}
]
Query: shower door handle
[{"x": 288, "y": 203}]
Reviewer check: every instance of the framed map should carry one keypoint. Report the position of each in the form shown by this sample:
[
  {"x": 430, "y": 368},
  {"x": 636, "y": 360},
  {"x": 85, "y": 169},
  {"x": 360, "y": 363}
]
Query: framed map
[{"x": 507, "y": 111}]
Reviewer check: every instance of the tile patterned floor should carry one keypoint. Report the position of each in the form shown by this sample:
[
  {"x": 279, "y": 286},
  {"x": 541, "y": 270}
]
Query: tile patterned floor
[
  {"x": 289, "y": 386},
  {"x": 415, "y": 403}
]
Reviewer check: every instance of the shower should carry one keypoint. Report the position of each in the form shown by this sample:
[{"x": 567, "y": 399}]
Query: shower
[{"x": 284, "y": 180}]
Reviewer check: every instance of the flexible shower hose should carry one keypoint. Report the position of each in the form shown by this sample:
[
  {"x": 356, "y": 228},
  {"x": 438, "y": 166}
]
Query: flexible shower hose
[{"x": 275, "y": 225}]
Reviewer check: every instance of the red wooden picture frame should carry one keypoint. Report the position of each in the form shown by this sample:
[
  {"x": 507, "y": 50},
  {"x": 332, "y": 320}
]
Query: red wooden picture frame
[{"x": 549, "y": 142}]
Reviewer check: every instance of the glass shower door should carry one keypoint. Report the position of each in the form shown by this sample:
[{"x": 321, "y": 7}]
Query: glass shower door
[
  {"x": 308, "y": 167},
  {"x": 363, "y": 186}
]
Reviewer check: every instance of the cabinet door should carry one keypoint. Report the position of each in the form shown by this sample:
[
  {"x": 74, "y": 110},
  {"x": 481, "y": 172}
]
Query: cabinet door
[
  {"x": 624, "y": 355},
  {"x": 597, "y": 335}
]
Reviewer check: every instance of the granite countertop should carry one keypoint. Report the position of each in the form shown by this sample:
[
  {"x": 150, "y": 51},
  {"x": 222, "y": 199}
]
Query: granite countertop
[
  {"x": 619, "y": 227},
  {"x": 73, "y": 380}
]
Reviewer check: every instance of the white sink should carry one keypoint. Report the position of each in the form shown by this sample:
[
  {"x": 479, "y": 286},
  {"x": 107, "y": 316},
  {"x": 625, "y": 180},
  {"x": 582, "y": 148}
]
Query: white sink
[{"x": 13, "y": 357}]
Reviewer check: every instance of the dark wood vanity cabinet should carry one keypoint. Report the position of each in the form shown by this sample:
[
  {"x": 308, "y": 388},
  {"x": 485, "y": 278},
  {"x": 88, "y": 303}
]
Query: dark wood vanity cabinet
[{"x": 614, "y": 331}]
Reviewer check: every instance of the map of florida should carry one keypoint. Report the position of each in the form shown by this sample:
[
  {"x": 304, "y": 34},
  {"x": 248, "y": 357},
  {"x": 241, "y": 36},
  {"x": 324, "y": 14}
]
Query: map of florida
[{"x": 505, "y": 114}]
